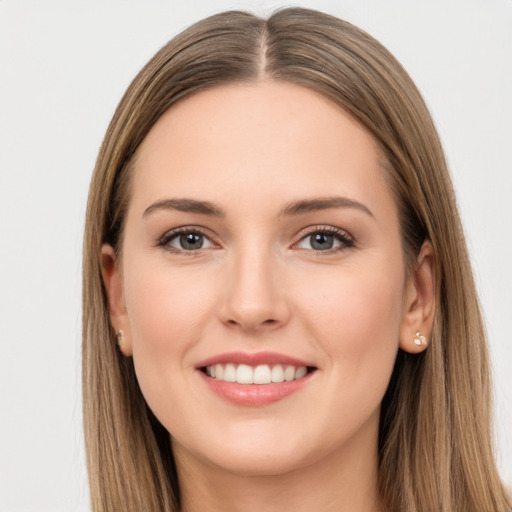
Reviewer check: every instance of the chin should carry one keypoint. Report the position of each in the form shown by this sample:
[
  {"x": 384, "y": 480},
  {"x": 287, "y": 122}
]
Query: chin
[
  {"x": 259, "y": 463},
  {"x": 263, "y": 451}
]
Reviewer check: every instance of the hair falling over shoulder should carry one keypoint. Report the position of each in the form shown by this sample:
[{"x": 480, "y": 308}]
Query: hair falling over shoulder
[{"x": 435, "y": 449}]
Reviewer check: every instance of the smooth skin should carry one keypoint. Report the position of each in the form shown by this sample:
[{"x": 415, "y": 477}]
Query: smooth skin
[{"x": 257, "y": 265}]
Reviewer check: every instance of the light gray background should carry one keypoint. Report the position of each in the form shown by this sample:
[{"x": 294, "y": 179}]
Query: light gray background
[{"x": 63, "y": 68}]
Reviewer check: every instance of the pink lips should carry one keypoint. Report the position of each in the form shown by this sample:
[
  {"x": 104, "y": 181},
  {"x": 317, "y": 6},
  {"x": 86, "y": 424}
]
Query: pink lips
[
  {"x": 253, "y": 394},
  {"x": 252, "y": 359}
]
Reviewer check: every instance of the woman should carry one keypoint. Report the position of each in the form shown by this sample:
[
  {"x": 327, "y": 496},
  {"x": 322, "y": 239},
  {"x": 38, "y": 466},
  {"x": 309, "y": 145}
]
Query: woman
[{"x": 279, "y": 311}]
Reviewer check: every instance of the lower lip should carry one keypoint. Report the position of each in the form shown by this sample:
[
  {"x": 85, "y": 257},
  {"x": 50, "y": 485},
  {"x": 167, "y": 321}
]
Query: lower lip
[{"x": 254, "y": 394}]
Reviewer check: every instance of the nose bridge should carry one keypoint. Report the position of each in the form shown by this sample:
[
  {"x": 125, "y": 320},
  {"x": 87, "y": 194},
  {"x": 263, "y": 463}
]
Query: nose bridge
[{"x": 255, "y": 297}]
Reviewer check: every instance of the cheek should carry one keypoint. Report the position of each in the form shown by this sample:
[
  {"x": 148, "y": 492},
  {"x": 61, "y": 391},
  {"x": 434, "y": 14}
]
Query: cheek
[
  {"x": 166, "y": 305},
  {"x": 167, "y": 311},
  {"x": 357, "y": 297},
  {"x": 357, "y": 319},
  {"x": 368, "y": 312}
]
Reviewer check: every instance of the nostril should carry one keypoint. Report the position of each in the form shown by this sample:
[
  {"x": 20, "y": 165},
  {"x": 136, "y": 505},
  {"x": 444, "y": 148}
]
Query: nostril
[{"x": 269, "y": 322}]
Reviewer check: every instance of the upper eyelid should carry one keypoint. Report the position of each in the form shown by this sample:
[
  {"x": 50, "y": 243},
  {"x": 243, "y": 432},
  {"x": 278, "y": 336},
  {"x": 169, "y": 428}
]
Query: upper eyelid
[
  {"x": 346, "y": 239},
  {"x": 171, "y": 233},
  {"x": 323, "y": 228}
]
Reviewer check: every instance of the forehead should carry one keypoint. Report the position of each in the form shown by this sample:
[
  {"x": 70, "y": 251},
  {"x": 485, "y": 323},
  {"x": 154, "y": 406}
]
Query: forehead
[{"x": 270, "y": 140}]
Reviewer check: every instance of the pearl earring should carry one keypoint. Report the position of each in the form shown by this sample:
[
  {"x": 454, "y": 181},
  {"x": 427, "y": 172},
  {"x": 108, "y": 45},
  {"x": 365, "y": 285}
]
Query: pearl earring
[
  {"x": 120, "y": 338},
  {"x": 419, "y": 339}
]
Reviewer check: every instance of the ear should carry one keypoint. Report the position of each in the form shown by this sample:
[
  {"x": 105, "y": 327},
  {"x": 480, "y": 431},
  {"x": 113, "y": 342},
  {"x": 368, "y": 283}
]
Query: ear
[
  {"x": 419, "y": 305},
  {"x": 113, "y": 281}
]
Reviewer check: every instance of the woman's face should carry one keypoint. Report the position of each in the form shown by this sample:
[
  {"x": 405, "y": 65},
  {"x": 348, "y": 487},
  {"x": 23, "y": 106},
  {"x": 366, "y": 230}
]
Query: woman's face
[{"x": 261, "y": 243}]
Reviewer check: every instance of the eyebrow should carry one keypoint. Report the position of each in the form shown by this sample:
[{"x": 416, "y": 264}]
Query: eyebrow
[
  {"x": 298, "y": 207},
  {"x": 323, "y": 203},
  {"x": 185, "y": 205}
]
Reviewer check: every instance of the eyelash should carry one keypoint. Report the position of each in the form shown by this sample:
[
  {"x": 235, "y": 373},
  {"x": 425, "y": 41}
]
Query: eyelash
[
  {"x": 168, "y": 237},
  {"x": 346, "y": 240}
]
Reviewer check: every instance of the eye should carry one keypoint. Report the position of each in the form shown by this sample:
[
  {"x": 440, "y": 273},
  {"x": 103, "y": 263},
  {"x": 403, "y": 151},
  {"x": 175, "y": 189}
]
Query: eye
[
  {"x": 326, "y": 239},
  {"x": 185, "y": 241}
]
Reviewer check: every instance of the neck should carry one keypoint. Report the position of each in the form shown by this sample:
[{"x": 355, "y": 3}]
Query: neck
[{"x": 343, "y": 480}]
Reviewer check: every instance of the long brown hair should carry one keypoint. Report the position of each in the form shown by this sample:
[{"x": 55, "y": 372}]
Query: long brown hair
[{"x": 435, "y": 451}]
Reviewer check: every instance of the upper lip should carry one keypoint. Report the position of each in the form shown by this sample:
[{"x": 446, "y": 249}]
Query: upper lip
[{"x": 254, "y": 359}]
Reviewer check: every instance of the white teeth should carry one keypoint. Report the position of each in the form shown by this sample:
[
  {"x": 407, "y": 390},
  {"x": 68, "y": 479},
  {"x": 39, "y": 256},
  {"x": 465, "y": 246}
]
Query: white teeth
[
  {"x": 277, "y": 373},
  {"x": 289, "y": 373},
  {"x": 244, "y": 374},
  {"x": 219, "y": 372},
  {"x": 229, "y": 373},
  {"x": 300, "y": 372},
  {"x": 261, "y": 374}
]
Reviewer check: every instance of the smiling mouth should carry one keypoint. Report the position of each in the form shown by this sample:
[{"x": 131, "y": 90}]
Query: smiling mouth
[{"x": 260, "y": 374}]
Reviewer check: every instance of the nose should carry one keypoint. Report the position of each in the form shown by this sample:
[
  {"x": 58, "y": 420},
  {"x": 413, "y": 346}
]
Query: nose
[{"x": 254, "y": 298}]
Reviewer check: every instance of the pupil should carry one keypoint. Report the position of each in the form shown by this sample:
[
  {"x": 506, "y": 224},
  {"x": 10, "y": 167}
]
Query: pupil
[
  {"x": 191, "y": 241},
  {"x": 321, "y": 241}
]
